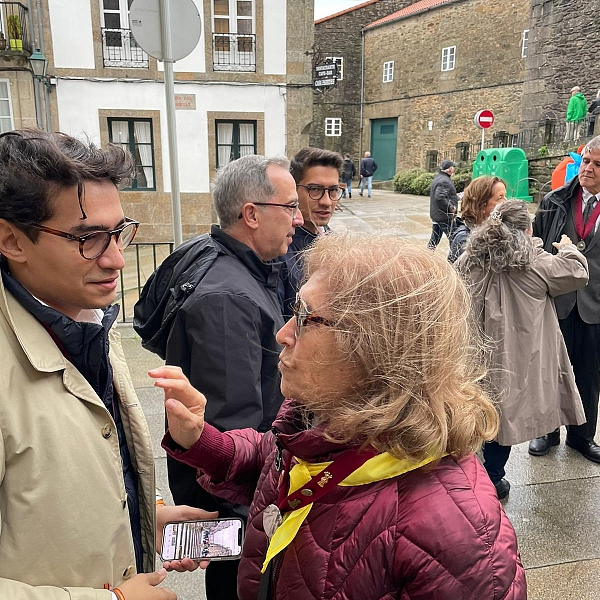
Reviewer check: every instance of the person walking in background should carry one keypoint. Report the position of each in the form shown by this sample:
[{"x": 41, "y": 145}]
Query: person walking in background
[
  {"x": 368, "y": 166},
  {"x": 574, "y": 210},
  {"x": 513, "y": 281},
  {"x": 443, "y": 204},
  {"x": 479, "y": 199},
  {"x": 348, "y": 173},
  {"x": 594, "y": 110},
  {"x": 576, "y": 111}
]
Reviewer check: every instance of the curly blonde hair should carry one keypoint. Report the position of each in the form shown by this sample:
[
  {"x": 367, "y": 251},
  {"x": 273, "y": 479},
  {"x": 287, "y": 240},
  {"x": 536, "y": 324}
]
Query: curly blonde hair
[{"x": 401, "y": 316}]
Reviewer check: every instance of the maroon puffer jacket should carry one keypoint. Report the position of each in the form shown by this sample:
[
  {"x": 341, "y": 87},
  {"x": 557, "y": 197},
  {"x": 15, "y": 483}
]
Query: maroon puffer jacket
[{"x": 426, "y": 535}]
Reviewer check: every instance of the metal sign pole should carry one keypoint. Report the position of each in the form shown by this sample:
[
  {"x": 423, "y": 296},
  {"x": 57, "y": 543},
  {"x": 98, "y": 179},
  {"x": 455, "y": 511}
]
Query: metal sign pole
[
  {"x": 167, "y": 51},
  {"x": 482, "y": 139}
]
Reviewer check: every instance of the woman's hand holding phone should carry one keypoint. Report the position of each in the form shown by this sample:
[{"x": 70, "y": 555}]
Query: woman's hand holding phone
[
  {"x": 184, "y": 405},
  {"x": 143, "y": 587}
]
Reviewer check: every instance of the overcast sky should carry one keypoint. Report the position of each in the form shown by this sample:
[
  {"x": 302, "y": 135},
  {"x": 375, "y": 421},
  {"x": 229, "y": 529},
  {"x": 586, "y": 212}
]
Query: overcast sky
[{"x": 324, "y": 8}]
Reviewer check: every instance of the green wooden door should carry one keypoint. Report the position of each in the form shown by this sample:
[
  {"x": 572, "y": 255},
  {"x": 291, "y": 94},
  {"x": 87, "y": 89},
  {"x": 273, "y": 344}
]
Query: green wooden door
[{"x": 384, "y": 134}]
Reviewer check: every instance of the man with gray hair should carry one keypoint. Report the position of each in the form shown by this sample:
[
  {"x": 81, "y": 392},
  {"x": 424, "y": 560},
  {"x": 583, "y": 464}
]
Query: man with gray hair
[
  {"x": 223, "y": 335},
  {"x": 574, "y": 210}
]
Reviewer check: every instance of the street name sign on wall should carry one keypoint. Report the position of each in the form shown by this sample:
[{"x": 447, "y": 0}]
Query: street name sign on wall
[{"x": 484, "y": 119}]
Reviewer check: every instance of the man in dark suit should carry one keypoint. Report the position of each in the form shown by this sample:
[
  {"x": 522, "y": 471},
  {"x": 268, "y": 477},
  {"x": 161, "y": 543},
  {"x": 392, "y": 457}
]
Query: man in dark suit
[{"x": 574, "y": 210}]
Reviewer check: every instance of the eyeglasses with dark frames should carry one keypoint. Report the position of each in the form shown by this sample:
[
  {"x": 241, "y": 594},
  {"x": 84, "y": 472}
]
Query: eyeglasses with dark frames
[
  {"x": 316, "y": 192},
  {"x": 304, "y": 316},
  {"x": 94, "y": 244},
  {"x": 292, "y": 207}
]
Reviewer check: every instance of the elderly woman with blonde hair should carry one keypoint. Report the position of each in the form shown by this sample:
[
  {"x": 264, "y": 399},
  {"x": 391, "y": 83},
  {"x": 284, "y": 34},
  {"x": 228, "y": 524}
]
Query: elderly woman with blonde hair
[
  {"x": 367, "y": 487},
  {"x": 513, "y": 282}
]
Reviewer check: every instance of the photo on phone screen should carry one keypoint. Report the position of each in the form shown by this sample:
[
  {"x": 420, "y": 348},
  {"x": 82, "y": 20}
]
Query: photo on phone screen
[{"x": 219, "y": 539}]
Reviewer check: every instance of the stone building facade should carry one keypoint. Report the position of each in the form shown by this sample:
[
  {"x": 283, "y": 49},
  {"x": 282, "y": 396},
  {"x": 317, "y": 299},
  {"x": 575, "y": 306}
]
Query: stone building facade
[
  {"x": 339, "y": 36},
  {"x": 563, "y": 49},
  {"x": 450, "y": 58}
]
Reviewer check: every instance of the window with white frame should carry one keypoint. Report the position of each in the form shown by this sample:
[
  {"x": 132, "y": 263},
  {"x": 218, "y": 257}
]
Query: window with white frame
[
  {"x": 448, "y": 58},
  {"x": 119, "y": 47},
  {"x": 333, "y": 127},
  {"x": 234, "y": 36},
  {"x": 136, "y": 135},
  {"x": 339, "y": 61},
  {"x": 6, "y": 114},
  {"x": 388, "y": 71},
  {"x": 525, "y": 43}
]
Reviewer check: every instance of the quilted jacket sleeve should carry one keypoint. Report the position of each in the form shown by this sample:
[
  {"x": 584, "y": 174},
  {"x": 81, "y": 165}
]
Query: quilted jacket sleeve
[{"x": 229, "y": 464}]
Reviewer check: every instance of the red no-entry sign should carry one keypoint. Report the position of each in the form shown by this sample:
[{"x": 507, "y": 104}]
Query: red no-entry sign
[{"x": 484, "y": 119}]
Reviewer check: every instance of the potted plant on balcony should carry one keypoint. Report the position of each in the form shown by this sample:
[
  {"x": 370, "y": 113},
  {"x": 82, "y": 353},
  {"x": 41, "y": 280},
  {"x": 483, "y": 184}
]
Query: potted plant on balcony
[{"x": 14, "y": 33}]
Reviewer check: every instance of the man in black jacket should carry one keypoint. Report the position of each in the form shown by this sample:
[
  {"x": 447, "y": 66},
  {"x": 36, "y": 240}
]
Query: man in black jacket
[
  {"x": 443, "y": 203},
  {"x": 223, "y": 336},
  {"x": 575, "y": 211}
]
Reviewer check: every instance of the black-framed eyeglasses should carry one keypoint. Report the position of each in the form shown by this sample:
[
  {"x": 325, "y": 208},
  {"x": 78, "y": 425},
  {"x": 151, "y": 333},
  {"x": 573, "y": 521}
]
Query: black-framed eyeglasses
[
  {"x": 304, "y": 316},
  {"x": 293, "y": 207},
  {"x": 94, "y": 244},
  {"x": 316, "y": 192}
]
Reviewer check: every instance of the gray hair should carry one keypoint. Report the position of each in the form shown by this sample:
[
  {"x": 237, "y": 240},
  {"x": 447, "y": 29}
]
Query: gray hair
[
  {"x": 501, "y": 243},
  {"x": 243, "y": 180},
  {"x": 593, "y": 144}
]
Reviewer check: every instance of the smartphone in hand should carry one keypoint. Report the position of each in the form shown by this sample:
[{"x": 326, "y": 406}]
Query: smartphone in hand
[{"x": 218, "y": 539}]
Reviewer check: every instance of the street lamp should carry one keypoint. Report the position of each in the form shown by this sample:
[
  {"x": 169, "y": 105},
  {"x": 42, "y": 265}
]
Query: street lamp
[{"x": 38, "y": 63}]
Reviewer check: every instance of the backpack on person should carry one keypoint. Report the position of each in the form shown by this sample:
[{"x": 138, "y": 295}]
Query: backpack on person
[{"x": 168, "y": 288}]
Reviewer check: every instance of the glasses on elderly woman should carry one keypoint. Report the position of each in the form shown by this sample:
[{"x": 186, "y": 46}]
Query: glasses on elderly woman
[{"x": 304, "y": 316}]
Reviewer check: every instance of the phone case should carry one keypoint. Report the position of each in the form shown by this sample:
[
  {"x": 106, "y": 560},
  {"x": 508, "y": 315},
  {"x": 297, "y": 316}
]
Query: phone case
[{"x": 218, "y": 539}]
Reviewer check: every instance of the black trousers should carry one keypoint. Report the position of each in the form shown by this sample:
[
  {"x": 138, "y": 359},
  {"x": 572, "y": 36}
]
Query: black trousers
[
  {"x": 495, "y": 457},
  {"x": 437, "y": 231},
  {"x": 583, "y": 346}
]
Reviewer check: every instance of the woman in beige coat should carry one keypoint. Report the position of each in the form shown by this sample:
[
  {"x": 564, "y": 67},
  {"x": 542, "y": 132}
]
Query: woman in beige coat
[{"x": 513, "y": 284}]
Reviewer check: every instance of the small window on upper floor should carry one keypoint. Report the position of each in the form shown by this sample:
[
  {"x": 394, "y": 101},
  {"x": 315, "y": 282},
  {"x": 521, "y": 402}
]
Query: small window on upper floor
[
  {"x": 234, "y": 35},
  {"x": 388, "y": 71},
  {"x": 333, "y": 127},
  {"x": 525, "y": 43},
  {"x": 339, "y": 61},
  {"x": 448, "y": 58}
]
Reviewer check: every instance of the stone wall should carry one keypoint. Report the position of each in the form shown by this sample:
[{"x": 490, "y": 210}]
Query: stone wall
[
  {"x": 341, "y": 36},
  {"x": 488, "y": 73},
  {"x": 563, "y": 41}
]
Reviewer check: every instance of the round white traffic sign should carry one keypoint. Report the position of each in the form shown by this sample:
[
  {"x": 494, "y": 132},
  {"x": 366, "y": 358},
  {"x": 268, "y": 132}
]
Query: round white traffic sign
[
  {"x": 186, "y": 26},
  {"x": 484, "y": 119}
]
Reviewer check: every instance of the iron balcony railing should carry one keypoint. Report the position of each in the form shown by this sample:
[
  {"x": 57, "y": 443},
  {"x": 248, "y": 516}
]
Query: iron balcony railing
[
  {"x": 14, "y": 37},
  {"x": 119, "y": 49},
  {"x": 234, "y": 52},
  {"x": 141, "y": 260}
]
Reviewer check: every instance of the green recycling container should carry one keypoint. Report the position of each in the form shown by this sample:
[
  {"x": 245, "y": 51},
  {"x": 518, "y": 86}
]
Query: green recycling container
[{"x": 510, "y": 164}]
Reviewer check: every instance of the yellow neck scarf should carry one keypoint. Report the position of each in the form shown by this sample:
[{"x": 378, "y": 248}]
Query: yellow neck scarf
[{"x": 380, "y": 467}]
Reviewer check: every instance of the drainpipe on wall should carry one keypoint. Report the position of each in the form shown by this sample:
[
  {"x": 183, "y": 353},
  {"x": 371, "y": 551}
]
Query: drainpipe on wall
[
  {"x": 36, "y": 84},
  {"x": 42, "y": 50},
  {"x": 362, "y": 94}
]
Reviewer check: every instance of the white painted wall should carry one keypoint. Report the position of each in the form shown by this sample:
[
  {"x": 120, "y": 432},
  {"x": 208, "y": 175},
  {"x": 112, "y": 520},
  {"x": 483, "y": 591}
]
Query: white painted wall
[
  {"x": 275, "y": 36},
  {"x": 80, "y": 117},
  {"x": 71, "y": 26}
]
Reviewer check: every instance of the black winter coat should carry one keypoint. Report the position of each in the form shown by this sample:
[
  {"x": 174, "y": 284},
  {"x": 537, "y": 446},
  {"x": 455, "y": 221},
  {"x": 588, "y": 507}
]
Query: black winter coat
[{"x": 442, "y": 199}]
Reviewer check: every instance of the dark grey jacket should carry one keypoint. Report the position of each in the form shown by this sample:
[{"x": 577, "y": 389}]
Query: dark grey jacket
[
  {"x": 368, "y": 166},
  {"x": 555, "y": 217},
  {"x": 442, "y": 199},
  {"x": 223, "y": 337}
]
